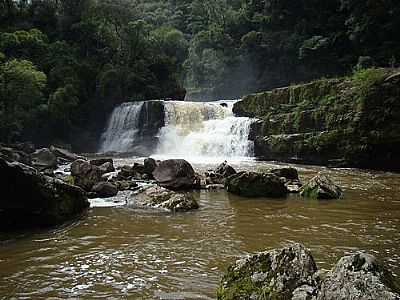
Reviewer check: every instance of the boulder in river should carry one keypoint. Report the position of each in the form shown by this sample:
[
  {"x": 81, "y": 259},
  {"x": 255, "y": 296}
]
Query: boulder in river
[
  {"x": 250, "y": 184},
  {"x": 150, "y": 165},
  {"x": 33, "y": 199},
  {"x": 43, "y": 159},
  {"x": 287, "y": 173},
  {"x": 359, "y": 277},
  {"x": 175, "y": 174},
  {"x": 225, "y": 170},
  {"x": 321, "y": 187},
  {"x": 85, "y": 174},
  {"x": 63, "y": 154},
  {"x": 290, "y": 273},
  {"x": 158, "y": 197},
  {"x": 105, "y": 189},
  {"x": 275, "y": 274},
  {"x": 101, "y": 161}
]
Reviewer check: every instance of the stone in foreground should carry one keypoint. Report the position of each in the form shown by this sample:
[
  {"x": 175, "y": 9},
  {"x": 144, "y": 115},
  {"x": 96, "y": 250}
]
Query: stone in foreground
[
  {"x": 250, "y": 184},
  {"x": 158, "y": 197},
  {"x": 290, "y": 273},
  {"x": 175, "y": 174},
  {"x": 321, "y": 187},
  {"x": 32, "y": 199},
  {"x": 275, "y": 274},
  {"x": 357, "y": 277}
]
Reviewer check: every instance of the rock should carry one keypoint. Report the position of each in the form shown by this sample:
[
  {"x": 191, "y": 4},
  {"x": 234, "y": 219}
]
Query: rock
[
  {"x": 359, "y": 277},
  {"x": 126, "y": 185},
  {"x": 33, "y": 199},
  {"x": 107, "y": 167},
  {"x": 159, "y": 197},
  {"x": 26, "y": 147},
  {"x": 215, "y": 187},
  {"x": 250, "y": 184},
  {"x": 11, "y": 154},
  {"x": 101, "y": 161},
  {"x": 276, "y": 274},
  {"x": 150, "y": 165},
  {"x": 126, "y": 172},
  {"x": 44, "y": 159},
  {"x": 321, "y": 187},
  {"x": 64, "y": 154},
  {"x": 287, "y": 173},
  {"x": 225, "y": 170},
  {"x": 105, "y": 189},
  {"x": 175, "y": 174},
  {"x": 85, "y": 174}
]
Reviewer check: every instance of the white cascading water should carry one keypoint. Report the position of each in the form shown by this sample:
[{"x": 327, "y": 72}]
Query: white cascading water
[
  {"x": 122, "y": 128},
  {"x": 204, "y": 130}
]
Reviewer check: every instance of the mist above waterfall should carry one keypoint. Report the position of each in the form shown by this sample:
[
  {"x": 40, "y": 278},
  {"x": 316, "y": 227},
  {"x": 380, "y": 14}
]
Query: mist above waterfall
[{"x": 189, "y": 130}]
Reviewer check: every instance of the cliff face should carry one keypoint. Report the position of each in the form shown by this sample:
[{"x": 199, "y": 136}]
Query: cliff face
[{"x": 352, "y": 121}]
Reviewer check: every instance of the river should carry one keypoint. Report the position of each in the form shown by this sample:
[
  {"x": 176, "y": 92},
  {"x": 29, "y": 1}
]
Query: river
[{"x": 122, "y": 253}]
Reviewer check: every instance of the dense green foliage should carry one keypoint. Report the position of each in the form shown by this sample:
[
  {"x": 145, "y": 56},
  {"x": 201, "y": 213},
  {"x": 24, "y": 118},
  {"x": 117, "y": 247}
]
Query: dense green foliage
[{"x": 80, "y": 58}]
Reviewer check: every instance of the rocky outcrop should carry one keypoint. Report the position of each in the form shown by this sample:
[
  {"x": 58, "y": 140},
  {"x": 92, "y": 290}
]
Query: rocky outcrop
[
  {"x": 290, "y": 273},
  {"x": 175, "y": 174},
  {"x": 321, "y": 187},
  {"x": 158, "y": 197},
  {"x": 32, "y": 199},
  {"x": 251, "y": 184},
  {"x": 336, "y": 122}
]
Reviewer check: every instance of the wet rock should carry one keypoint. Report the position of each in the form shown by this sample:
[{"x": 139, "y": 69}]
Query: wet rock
[
  {"x": 105, "y": 189},
  {"x": 287, "y": 173},
  {"x": 321, "y": 187},
  {"x": 175, "y": 174},
  {"x": 225, "y": 170},
  {"x": 276, "y": 274},
  {"x": 150, "y": 165},
  {"x": 159, "y": 197},
  {"x": 33, "y": 199},
  {"x": 107, "y": 167},
  {"x": 359, "y": 277},
  {"x": 126, "y": 185},
  {"x": 43, "y": 159},
  {"x": 26, "y": 147},
  {"x": 101, "y": 161},
  {"x": 85, "y": 174},
  {"x": 250, "y": 184},
  {"x": 11, "y": 154},
  {"x": 126, "y": 172},
  {"x": 215, "y": 187},
  {"x": 64, "y": 154}
]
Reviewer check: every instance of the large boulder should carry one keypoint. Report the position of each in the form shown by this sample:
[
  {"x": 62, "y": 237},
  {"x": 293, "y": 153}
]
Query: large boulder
[
  {"x": 85, "y": 174},
  {"x": 250, "y": 184},
  {"x": 101, "y": 161},
  {"x": 287, "y": 173},
  {"x": 359, "y": 277},
  {"x": 175, "y": 174},
  {"x": 158, "y": 197},
  {"x": 43, "y": 159},
  {"x": 276, "y": 274},
  {"x": 33, "y": 199},
  {"x": 105, "y": 189},
  {"x": 321, "y": 187},
  {"x": 63, "y": 154},
  {"x": 12, "y": 154},
  {"x": 150, "y": 165}
]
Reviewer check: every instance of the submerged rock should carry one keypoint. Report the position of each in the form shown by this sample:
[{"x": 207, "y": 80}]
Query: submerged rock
[
  {"x": 33, "y": 199},
  {"x": 159, "y": 197},
  {"x": 321, "y": 187},
  {"x": 175, "y": 174},
  {"x": 274, "y": 274},
  {"x": 43, "y": 159},
  {"x": 290, "y": 273},
  {"x": 250, "y": 184},
  {"x": 359, "y": 277}
]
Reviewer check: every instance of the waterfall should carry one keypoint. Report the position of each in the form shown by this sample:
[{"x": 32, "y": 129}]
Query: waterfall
[
  {"x": 178, "y": 129},
  {"x": 122, "y": 129},
  {"x": 194, "y": 129}
]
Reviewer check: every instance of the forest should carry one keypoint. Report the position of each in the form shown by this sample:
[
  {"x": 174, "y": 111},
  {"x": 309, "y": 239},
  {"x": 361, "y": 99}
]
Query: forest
[{"x": 64, "y": 64}]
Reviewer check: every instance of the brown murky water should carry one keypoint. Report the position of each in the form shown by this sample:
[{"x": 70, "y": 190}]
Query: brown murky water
[{"x": 120, "y": 253}]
